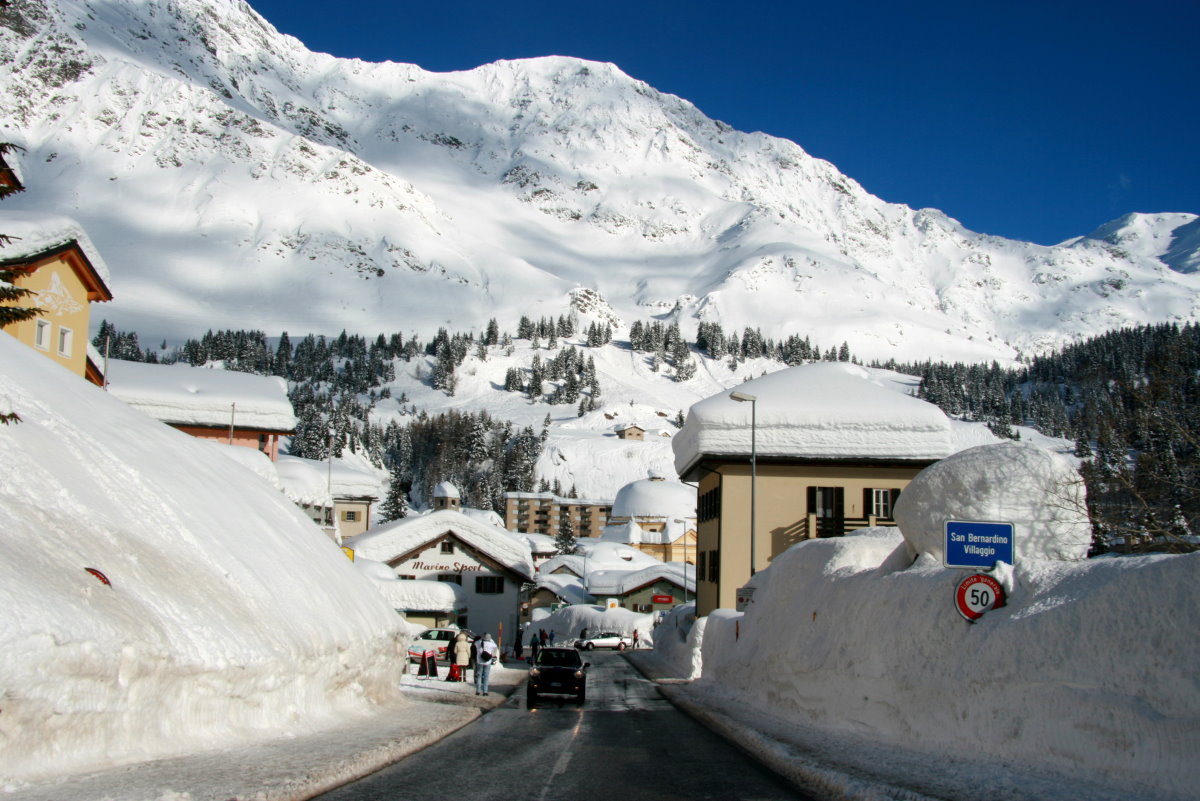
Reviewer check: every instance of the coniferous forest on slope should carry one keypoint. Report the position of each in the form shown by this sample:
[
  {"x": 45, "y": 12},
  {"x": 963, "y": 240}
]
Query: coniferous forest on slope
[{"x": 1129, "y": 399}]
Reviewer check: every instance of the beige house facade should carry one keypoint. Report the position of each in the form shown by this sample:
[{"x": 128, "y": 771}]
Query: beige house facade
[
  {"x": 812, "y": 451},
  {"x": 794, "y": 501}
]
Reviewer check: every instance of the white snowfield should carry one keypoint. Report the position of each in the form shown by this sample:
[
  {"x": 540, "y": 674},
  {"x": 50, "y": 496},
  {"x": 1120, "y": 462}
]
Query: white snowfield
[
  {"x": 229, "y": 616},
  {"x": 506, "y": 190},
  {"x": 1083, "y": 686}
]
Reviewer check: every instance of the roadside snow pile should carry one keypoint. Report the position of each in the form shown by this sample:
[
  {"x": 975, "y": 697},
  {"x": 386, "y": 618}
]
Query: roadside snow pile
[
  {"x": 567, "y": 623},
  {"x": 677, "y": 639},
  {"x": 1039, "y": 491},
  {"x": 228, "y": 615},
  {"x": 1087, "y": 672}
]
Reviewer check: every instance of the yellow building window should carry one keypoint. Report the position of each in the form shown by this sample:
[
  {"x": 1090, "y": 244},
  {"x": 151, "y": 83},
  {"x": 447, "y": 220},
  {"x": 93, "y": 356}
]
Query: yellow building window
[
  {"x": 65, "y": 338},
  {"x": 41, "y": 335}
]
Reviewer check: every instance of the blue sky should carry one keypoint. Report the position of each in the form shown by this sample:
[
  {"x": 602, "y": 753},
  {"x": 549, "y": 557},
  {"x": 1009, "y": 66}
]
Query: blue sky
[{"x": 1031, "y": 120}]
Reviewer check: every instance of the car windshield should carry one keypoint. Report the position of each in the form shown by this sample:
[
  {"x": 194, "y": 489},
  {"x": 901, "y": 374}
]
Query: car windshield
[{"x": 556, "y": 658}]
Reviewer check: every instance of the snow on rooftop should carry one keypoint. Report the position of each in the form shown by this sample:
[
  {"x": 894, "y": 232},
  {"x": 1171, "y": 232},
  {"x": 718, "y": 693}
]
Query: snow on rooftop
[
  {"x": 345, "y": 479},
  {"x": 304, "y": 480},
  {"x": 390, "y": 540},
  {"x": 827, "y": 410},
  {"x": 35, "y": 233},
  {"x": 444, "y": 489},
  {"x": 602, "y": 555},
  {"x": 184, "y": 395},
  {"x": 620, "y": 582},
  {"x": 629, "y": 533},
  {"x": 567, "y": 586},
  {"x": 655, "y": 497},
  {"x": 485, "y": 516},
  {"x": 410, "y": 595}
]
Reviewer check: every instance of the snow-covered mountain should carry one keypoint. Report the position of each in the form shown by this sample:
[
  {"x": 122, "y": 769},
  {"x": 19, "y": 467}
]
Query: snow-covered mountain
[{"x": 232, "y": 178}]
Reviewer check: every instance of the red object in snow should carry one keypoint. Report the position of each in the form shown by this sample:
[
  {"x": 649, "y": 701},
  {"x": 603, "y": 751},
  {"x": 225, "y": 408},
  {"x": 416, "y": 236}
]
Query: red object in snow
[{"x": 103, "y": 579}]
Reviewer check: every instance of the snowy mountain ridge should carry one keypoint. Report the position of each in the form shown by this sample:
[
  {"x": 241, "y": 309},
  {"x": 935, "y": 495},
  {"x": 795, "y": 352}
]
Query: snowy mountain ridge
[{"x": 232, "y": 178}]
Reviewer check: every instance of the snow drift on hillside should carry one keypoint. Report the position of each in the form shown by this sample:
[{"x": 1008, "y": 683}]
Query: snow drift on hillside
[
  {"x": 1087, "y": 673},
  {"x": 234, "y": 179},
  {"x": 228, "y": 615}
]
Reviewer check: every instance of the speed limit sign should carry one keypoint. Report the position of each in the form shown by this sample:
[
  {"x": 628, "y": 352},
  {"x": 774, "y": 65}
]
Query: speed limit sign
[{"x": 977, "y": 594}]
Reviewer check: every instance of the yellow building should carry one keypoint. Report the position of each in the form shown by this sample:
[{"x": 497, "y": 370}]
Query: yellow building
[
  {"x": 812, "y": 451},
  {"x": 53, "y": 257},
  {"x": 656, "y": 516}
]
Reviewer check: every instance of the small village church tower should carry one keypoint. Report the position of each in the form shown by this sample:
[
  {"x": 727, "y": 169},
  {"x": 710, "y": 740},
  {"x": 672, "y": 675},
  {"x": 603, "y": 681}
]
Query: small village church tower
[{"x": 446, "y": 496}]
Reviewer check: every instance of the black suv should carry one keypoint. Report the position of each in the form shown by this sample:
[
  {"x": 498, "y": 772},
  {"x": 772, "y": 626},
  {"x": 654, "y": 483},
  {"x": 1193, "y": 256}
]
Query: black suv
[{"x": 560, "y": 671}]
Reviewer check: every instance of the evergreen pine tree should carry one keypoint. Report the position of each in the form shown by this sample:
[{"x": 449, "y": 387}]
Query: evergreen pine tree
[
  {"x": 564, "y": 539},
  {"x": 10, "y": 294},
  {"x": 395, "y": 505}
]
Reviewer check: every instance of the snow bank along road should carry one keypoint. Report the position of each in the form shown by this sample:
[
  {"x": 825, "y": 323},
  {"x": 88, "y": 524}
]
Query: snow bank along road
[{"x": 624, "y": 742}]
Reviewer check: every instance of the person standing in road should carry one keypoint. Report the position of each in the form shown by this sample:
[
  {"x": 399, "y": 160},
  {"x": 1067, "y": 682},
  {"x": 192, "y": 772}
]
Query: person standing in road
[
  {"x": 462, "y": 657},
  {"x": 635, "y": 638},
  {"x": 485, "y": 656},
  {"x": 535, "y": 645}
]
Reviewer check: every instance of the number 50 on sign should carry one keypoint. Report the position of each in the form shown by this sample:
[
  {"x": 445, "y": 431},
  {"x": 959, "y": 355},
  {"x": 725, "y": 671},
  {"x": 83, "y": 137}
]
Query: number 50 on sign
[{"x": 978, "y": 594}]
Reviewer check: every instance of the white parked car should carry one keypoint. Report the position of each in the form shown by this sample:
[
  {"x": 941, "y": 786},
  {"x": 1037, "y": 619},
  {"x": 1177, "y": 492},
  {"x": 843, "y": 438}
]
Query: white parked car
[
  {"x": 607, "y": 639},
  {"x": 438, "y": 641}
]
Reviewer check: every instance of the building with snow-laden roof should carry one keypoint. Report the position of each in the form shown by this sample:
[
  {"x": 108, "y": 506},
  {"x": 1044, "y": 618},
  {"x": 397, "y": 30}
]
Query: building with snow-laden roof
[
  {"x": 435, "y": 604},
  {"x": 545, "y": 512},
  {"x": 488, "y": 563},
  {"x": 52, "y": 257},
  {"x": 602, "y": 570},
  {"x": 819, "y": 450},
  {"x": 447, "y": 496},
  {"x": 227, "y": 406},
  {"x": 335, "y": 493},
  {"x": 656, "y": 516}
]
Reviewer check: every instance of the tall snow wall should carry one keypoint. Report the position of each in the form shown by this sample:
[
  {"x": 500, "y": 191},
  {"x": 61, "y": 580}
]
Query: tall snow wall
[
  {"x": 227, "y": 615},
  {"x": 1089, "y": 671}
]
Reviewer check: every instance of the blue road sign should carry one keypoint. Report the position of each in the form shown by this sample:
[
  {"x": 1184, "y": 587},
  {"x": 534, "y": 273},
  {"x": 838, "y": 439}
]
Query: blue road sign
[{"x": 977, "y": 545}]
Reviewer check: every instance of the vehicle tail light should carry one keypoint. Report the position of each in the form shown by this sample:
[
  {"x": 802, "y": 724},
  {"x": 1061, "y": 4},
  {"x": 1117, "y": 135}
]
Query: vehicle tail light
[
  {"x": 579, "y": 674},
  {"x": 535, "y": 672}
]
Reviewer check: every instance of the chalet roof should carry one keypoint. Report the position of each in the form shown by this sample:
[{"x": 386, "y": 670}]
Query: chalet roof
[
  {"x": 623, "y": 582},
  {"x": 346, "y": 481},
  {"x": 35, "y": 234},
  {"x": 391, "y": 540}
]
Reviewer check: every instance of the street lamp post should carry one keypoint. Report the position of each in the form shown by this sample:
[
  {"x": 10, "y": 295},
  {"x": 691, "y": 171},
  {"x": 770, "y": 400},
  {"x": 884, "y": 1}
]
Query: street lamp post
[{"x": 743, "y": 397}]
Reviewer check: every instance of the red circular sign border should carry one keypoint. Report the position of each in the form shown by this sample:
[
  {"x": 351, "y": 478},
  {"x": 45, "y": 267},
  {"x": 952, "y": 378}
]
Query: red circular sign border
[{"x": 961, "y": 591}]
